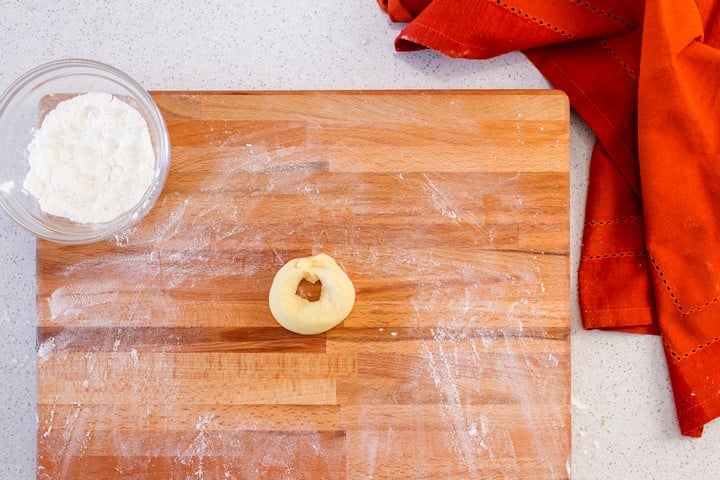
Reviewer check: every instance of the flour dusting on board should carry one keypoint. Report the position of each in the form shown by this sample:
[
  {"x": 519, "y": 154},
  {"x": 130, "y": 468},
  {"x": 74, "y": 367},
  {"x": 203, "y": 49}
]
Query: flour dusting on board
[
  {"x": 442, "y": 353},
  {"x": 536, "y": 390},
  {"x": 195, "y": 452},
  {"x": 75, "y": 300},
  {"x": 462, "y": 346},
  {"x": 441, "y": 200},
  {"x": 180, "y": 247},
  {"x": 45, "y": 349}
]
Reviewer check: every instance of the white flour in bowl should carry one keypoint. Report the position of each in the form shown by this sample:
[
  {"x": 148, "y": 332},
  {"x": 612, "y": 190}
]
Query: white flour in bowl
[{"x": 91, "y": 160}]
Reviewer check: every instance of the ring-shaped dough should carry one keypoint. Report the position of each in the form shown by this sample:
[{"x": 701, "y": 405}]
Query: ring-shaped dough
[{"x": 300, "y": 315}]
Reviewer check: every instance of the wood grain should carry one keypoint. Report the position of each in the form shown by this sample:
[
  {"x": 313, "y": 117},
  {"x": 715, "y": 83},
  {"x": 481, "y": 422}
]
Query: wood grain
[{"x": 157, "y": 354}]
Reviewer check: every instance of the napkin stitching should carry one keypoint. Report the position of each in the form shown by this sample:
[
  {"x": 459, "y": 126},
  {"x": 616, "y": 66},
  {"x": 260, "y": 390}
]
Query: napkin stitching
[
  {"x": 632, "y": 219},
  {"x": 683, "y": 312},
  {"x": 614, "y": 309},
  {"x": 701, "y": 404},
  {"x": 535, "y": 19},
  {"x": 606, "y": 256},
  {"x": 667, "y": 286},
  {"x": 701, "y": 307},
  {"x": 690, "y": 352},
  {"x": 448, "y": 37},
  {"x": 604, "y": 13},
  {"x": 618, "y": 58}
]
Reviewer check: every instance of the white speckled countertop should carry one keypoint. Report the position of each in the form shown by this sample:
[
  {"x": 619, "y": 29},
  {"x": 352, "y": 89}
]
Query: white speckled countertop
[{"x": 623, "y": 414}]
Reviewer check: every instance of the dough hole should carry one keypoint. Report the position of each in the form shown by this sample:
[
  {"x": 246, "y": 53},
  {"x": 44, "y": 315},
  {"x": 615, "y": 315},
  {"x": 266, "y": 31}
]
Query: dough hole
[
  {"x": 309, "y": 291},
  {"x": 335, "y": 295}
]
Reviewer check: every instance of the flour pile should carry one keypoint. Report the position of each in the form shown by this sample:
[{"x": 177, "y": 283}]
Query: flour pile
[{"x": 91, "y": 160}]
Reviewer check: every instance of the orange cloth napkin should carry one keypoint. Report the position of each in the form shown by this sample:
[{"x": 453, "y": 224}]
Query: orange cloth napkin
[{"x": 646, "y": 79}]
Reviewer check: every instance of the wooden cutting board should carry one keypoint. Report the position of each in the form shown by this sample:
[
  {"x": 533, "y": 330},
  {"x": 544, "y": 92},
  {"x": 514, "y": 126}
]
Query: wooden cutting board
[{"x": 158, "y": 357}]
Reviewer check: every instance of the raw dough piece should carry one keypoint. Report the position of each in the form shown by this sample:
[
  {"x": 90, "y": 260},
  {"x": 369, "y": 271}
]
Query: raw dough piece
[{"x": 300, "y": 315}]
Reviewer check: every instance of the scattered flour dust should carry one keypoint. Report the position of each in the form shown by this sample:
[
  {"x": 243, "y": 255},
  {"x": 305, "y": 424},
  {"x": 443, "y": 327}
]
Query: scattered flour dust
[
  {"x": 91, "y": 160},
  {"x": 134, "y": 356},
  {"x": 45, "y": 349},
  {"x": 182, "y": 247}
]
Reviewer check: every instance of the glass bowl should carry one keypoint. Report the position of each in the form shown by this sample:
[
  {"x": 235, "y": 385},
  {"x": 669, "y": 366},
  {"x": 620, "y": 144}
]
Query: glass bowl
[{"x": 22, "y": 108}]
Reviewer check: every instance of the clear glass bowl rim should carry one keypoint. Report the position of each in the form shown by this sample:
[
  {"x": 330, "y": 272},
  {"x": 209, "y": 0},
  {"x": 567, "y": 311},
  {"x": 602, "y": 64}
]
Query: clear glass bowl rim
[{"x": 138, "y": 211}]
